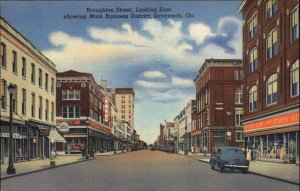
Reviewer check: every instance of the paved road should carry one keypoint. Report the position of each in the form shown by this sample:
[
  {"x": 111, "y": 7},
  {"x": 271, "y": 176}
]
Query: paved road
[{"x": 142, "y": 171}]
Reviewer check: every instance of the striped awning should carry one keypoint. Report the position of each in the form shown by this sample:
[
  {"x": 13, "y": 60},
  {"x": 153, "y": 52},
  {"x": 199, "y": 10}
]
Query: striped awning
[
  {"x": 55, "y": 136},
  {"x": 4, "y": 132}
]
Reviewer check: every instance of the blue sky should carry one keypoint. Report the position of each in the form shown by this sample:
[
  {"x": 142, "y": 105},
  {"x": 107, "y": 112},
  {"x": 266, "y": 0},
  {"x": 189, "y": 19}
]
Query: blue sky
[{"x": 159, "y": 58}]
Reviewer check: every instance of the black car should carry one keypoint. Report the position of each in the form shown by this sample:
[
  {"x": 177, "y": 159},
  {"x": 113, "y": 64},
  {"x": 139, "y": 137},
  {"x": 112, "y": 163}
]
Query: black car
[{"x": 229, "y": 157}]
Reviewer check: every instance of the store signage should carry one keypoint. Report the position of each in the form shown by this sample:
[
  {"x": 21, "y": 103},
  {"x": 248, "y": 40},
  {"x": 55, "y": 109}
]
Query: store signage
[
  {"x": 69, "y": 122},
  {"x": 106, "y": 107},
  {"x": 282, "y": 120},
  {"x": 64, "y": 127},
  {"x": 99, "y": 126}
]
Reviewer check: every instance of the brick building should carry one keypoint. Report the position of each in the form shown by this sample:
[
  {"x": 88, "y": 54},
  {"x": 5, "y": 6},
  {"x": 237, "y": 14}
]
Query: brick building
[
  {"x": 83, "y": 112},
  {"x": 271, "y": 83},
  {"x": 218, "y": 91}
]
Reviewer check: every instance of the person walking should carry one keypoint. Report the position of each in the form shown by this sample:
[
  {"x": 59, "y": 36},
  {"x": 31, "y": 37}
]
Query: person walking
[{"x": 253, "y": 153}]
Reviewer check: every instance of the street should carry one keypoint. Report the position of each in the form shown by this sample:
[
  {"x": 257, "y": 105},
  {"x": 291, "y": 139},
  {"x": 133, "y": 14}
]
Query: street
[{"x": 142, "y": 171}]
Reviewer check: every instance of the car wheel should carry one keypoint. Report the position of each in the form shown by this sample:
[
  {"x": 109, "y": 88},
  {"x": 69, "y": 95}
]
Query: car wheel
[{"x": 245, "y": 171}]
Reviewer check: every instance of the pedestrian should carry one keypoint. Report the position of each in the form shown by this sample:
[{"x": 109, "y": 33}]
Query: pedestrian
[
  {"x": 204, "y": 150},
  {"x": 253, "y": 153},
  {"x": 248, "y": 154},
  {"x": 68, "y": 149}
]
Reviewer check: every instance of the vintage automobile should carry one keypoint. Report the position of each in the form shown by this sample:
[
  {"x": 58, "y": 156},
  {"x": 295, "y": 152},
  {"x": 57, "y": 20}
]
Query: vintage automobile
[{"x": 229, "y": 157}]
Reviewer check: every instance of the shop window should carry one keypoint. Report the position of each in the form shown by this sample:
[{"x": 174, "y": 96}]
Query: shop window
[
  {"x": 271, "y": 6},
  {"x": 253, "y": 98},
  {"x": 272, "y": 44},
  {"x": 239, "y": 96},
  {"x": 3, "y": 95},
  {"x": 252, "y": 26},
  {"x": 272, "y": 95},
  {"x": 252, "y": 60},
  {"x": 3, "y": 55},
  {"x": 294, "y": 26},
  {"x": 295, "y": 78}
]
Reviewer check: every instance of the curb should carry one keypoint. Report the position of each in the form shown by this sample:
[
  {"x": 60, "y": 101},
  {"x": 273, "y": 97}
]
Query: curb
[
  {"x": 263, "y": 175},
  {"x": 47, "y": 168}
]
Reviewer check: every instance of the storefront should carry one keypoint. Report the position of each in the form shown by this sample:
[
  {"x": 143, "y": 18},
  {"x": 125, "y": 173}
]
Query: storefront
[{"x": 275, "y": 136}]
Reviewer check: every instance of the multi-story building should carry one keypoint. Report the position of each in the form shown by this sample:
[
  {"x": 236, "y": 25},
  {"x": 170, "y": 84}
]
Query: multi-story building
[
  {"x": 219, "y": 103},
  {"x": 176, "y": 132},
  {"x": 83, "y": 112},
  {"x": 33, "y": 102},
  {"x": 271, "y": 84},
  {"x": 124, "y": 101}
]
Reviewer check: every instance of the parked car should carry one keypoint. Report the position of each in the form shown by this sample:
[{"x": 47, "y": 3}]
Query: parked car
[{"x": 229, "y": 157}]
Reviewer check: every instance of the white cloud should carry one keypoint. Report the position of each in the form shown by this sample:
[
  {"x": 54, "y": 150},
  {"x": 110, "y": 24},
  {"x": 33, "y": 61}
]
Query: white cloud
[
  {"x": 181, "y": 82},
  {"x": 154, "y": 74},
  {"x": 147, "y": 84},
  {"x": 199, "y": 31}
]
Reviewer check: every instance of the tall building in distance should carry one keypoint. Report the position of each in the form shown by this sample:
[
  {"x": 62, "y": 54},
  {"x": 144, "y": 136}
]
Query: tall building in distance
[
  {"x": 271, "y": 84},
  {"x": 124, "y": 102}
]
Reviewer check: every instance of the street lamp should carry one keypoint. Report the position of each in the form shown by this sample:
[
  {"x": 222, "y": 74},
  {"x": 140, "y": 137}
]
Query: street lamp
[
  {"x": 87, "y": 139},
  {"x": 11, "y": 170},
  {"x": 228, "y": 133}
]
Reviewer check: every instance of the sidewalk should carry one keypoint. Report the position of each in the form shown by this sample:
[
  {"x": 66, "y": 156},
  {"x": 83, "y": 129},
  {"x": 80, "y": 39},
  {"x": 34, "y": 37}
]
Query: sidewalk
[
  {"x": 279, "y": 171},
  {"x": 27, "y": 167}
]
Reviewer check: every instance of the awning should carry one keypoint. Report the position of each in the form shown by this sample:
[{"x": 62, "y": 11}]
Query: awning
[
  {"x": 5, "y": 133},
  {"x": 55, "y": 136}
]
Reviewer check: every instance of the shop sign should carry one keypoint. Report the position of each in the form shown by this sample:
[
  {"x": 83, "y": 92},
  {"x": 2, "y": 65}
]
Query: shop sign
[
  {"x": 64, "y": 127},
  {"x": 99, "y": 126},
  {"x": 282, "y": 120},
  {"x": 69, "y": 122},
  {"x": 106, "y": 107}
]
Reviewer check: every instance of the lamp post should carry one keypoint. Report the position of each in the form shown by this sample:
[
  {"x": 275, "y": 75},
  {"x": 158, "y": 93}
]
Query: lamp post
[
  {"x": 11, "y": 170},
  {"x": 87, "y": 139},
  {"x": 228, "y": 133}
]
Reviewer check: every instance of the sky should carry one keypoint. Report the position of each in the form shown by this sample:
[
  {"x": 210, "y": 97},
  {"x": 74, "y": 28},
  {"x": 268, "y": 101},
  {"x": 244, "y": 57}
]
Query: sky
[{"x": 159, "y": 57}]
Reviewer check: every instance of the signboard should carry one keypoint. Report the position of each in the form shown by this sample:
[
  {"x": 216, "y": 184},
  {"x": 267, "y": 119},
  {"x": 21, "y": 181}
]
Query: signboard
[
  {"x": 64, "y": 127},
  {"x": 282, "y": 120},
  {"x": 106, "y": 108}
]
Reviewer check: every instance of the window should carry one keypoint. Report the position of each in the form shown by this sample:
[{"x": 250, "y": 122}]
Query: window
[
  {"x": 3, "y": 55},
  {"x": 122, "y": 101},
  {"x": 47, "y": 110},
  {"x": 123, "y": 106},
  {"x": 272, "y": 89},
  {"x": 294, "y": 26},
  {"x": 253, "y": 60},
  {"x": 236, "y": 75},
  {"x": 238, "y": 117},
  {"x": 71, "y": 112},
  {"x": 252, "y": 26},
  {"x": 24, "y": 101},
  {"x": 272, "y": 44},
  {"x": 46, "y": 81},
  {"x": 52, "y": 85},
  {"x": 14, "y": 62},
  {"x": 3, "y": 94},
  {"x": 253, "y": 98},
  {"x": 23, "y": 67},
  {"x": 295, "y": 78},
  {"x": 271, "y": 8},
  {"x": 32, "y": 73},
  {"x": 239, "y": 96},
  {"x": 14, "y": 100},
  {"x": 40, "y": 107},
  {"x": 73, "y": 95},
  {"x": 241, "y": 75},
  {"x": 239, "y": 136},
  {"x": 52, "y": 112},
  {"x": 32, "y": 104},
  {"x": 40, "y": 78}
]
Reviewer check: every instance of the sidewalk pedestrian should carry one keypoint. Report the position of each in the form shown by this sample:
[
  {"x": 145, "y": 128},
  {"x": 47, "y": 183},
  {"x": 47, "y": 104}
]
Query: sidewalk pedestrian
[
  {"x": 248, "y": 154},
  {"x": 253, "y": 153},
  {"x": 204, "y": 150}
]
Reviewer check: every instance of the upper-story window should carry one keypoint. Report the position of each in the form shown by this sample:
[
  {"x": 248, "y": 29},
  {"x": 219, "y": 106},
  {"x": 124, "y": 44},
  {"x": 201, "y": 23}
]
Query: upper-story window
[
  {"x": 40, "y": 107},
  {"x": 23, "y": 101},
  {"x": 272, "y": 89},
  {"x": 32, "y": 104},
  {"x": 272, "y": 44},
  {"x": 253, "y": 60},
  {"x": 72, "y": 112},
  {"x": 71, "y": 94},
  {"x": 14, "y": 100},
  {"x": 3, "y": 95},
  {"x": 47, "y": 110},
  {"x": 253, "y": 98},
  {"x": 40, "y": 78},
  {"x": 252, "y": 26},
  {"x": 52, "y": 85},
  {"x": 3, "y": 55},
  {"x": 294, "y": 24},
  {"x": 32, "y": 73},
  {"x": 239, "y": 96},
  {"x": 295, "y": 78},
  {"x": 238, "y": 117},
  {"x": 52, "y": 111},
  {"x": 271, "y": 7},
  {"x": 46, "y": 82},
  {"x": 14, "y": 61},
  {"x": 23, "y": 67}
]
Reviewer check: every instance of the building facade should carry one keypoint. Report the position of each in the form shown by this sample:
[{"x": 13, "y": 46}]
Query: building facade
[
  {"x": 33, "y": 101},
  {"x": 271, "y": 84},
  {"x": 83, "y": 113},
  {"x": 219, "y": 103}
]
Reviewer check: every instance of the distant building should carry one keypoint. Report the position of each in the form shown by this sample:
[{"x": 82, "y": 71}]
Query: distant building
[
  {"x": 271, "y": 84},
  {"x": 219, "y": 93}
]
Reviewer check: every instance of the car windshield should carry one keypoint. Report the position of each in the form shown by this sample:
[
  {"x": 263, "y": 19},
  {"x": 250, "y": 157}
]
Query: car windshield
[{"x": 233, "y": 151}]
